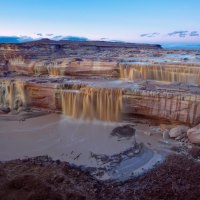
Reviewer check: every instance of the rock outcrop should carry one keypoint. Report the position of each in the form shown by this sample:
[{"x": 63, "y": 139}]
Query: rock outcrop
[
  {"x": 178, "y": 131},
  {"x": 172, "y": 105},
  {"x": 194, "y": 134}
]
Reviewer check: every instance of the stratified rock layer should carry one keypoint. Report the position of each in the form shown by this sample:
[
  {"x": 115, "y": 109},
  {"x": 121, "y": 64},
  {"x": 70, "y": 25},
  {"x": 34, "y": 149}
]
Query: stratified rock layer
[
  {"x": 101, "y": 80},
  {"x": 169, "y": 105},
  {"x": 108, "y": 104}
]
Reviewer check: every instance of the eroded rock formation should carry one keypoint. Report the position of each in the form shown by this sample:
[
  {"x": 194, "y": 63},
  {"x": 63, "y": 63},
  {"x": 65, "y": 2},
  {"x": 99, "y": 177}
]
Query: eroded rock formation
[
  {"x": 194, "y": 134},
  {"x": 99, "y": 80}
]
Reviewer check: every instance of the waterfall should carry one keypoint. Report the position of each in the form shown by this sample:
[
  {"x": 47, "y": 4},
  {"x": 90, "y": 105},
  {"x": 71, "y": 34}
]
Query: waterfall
[
  {"x": 56, "y": 71},
  {"x": 12, "y": 94},
  {"x": 93, "y": 103},
  {"x": 53, "y": 71},
  {"x": 170, "y": 73}
]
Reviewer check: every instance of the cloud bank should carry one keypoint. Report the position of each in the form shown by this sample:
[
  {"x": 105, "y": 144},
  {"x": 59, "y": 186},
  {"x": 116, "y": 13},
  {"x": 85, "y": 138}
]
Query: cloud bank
[
  {"x": 180, "y": 34},
  {"x": 175, "y": 36},
  {"x": 149, "y": 35}
]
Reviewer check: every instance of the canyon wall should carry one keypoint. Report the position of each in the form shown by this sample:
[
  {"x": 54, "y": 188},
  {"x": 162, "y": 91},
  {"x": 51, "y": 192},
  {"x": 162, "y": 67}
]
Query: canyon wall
[
  {"x": 97, "y": 80},
  {"x": 174, "y": 106},
  {"x": 107, "y": 104}
]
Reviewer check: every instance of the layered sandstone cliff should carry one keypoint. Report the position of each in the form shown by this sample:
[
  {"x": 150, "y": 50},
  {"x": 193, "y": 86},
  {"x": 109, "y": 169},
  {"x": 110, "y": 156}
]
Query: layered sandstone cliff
[
  {"x": 98, "y": 80},
  {"x": 102, "y": 103}
]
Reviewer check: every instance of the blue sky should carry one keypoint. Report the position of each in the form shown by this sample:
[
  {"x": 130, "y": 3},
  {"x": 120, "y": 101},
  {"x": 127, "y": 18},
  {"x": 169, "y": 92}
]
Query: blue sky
[{"x": 130, "y": 20}]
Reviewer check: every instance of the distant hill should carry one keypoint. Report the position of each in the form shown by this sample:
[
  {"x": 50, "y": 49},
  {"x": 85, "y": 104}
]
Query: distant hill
[
  {"x": 71, "y": 41},
  {"x": 16, "y": 39},
  {"x": 181, "y": 46}
]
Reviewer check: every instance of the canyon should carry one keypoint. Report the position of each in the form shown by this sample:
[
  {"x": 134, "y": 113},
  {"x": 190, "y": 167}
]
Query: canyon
[
  {"x": 106, "y": 107},
  {"x": 115, "y": 79}
]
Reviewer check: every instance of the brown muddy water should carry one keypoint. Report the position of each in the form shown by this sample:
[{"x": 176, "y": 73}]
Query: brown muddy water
[{"x": 87, "y": 144}]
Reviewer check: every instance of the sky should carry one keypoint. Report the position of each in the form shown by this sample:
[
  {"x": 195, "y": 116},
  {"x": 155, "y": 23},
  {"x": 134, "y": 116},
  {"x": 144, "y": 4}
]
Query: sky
[{"x": 125, "y": 20}]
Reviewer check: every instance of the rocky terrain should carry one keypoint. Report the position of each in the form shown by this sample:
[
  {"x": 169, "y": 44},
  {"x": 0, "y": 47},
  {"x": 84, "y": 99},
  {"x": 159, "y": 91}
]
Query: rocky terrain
[
  {"x": 149, "y": 96},
  {"x": 41, "y": 178},
  {"x": 146, "y": 79}
]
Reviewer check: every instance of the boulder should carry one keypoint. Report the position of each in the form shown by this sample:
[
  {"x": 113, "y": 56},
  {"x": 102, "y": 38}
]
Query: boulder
[
  {"x": 194, "y": 134},
  {"x": 178, "y": 131},
  {"x": 180, "y": 137},
  {"x": 123, "y": 131}
]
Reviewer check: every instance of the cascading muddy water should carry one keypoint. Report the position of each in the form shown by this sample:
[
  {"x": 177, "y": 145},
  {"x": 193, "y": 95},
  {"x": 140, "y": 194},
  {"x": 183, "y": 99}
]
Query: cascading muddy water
[
  {"x": 53, "y": 71},
  {"x": 12, "y": 95},
  {"x": 56, "y": 71},
  {"x": 57, "y": 67},
  {"x": 170, "y": 73},
  {"x": 93, "y": 103}
]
